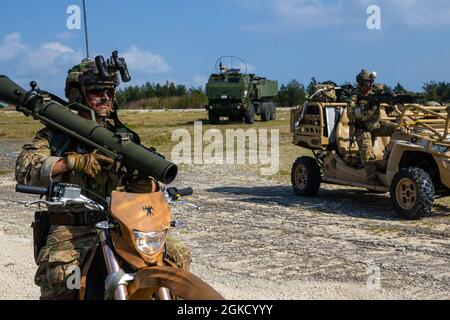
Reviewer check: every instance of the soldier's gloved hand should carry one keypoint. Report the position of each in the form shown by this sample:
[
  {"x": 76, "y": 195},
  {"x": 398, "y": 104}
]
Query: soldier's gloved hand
[
  {"x": 402, "y": 128},
  {"x": 89, "y": 163}
]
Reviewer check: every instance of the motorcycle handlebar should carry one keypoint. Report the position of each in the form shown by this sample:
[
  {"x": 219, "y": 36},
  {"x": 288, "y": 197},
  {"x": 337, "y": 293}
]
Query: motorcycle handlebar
[
  {"x": 22, "y": 188},
  {"x": 175, "y": 193},
  {"x": 185, "y": 192}
]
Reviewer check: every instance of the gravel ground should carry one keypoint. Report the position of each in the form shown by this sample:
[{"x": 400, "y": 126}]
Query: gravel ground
[{"x": 253, "y": 238}]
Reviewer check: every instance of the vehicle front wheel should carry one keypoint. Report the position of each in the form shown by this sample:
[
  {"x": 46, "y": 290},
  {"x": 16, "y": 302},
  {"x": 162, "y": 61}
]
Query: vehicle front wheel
[
  {"x": 249, "y": 115},
  {"x": 412, "y": 193},
  {"x": 306, "y": 176}
]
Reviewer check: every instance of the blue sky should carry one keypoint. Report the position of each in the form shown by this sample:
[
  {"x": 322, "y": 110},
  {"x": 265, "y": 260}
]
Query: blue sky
[{"x": 282, "y": 39}]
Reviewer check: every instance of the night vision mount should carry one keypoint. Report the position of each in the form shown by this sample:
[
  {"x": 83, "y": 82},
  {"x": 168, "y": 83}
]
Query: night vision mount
[{"x": 112, "y": 66}]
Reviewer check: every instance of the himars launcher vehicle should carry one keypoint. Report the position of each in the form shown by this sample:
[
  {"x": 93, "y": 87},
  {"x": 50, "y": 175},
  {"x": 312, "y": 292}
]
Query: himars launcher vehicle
[{"x": 238, "y": 95}]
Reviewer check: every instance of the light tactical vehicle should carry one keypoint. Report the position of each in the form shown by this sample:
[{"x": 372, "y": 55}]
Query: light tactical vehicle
[
  {"x": 414, "y": 166},
  {"x": 238, "y": 95}
]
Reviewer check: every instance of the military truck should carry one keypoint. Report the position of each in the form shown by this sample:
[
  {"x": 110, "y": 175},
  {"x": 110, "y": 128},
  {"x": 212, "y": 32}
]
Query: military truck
[
  {"x": 239, "y": 95},
  {"x": 413, "y": 165}
]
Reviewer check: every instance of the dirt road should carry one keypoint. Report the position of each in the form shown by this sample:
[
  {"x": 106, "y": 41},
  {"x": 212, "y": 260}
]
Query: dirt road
[{"x": 253, "y": 239}]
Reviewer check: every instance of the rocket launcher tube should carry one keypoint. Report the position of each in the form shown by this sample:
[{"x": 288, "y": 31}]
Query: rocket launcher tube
[{"x": 87, "y": 131}]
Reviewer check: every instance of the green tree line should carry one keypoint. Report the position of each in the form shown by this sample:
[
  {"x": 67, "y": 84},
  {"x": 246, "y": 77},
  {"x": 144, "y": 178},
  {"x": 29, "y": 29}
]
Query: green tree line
[
  {"x": 177, "y": 96},
  {"x": 294, "y": 93},
  {"x": 161, "y": 96}
]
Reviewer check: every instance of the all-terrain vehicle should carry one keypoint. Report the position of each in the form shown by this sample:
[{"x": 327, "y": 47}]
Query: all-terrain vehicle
[
  {"x": 414, "y": 166},
  {"x": 238, "y": 95}
]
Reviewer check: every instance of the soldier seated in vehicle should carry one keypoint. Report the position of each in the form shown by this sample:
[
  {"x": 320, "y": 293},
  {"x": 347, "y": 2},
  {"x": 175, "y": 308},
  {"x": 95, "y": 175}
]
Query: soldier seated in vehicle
[
  {"x": 366, "y": 123},
  {"x": 55, "y": 157}
]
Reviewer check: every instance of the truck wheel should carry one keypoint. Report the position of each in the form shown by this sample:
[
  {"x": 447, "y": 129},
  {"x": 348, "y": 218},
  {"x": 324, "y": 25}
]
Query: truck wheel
[
  {"x": 265, "y": 112},
  {"x": 273, "y": 113},
  {"x": 306, "y": 176},
  {"x": 249, "y": 115},
  {"x": 213, "y": 118},
  {"x": 412, "y": 193}
]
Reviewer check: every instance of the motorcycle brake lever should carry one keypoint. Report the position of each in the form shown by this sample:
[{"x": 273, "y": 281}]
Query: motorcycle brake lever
[
  {"x": 185, "y": 203},
  {"x": 48, "y": 203}
]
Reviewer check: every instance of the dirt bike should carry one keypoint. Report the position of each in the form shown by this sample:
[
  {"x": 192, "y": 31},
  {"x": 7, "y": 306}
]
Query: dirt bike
[{"x": 132, "y": 231}]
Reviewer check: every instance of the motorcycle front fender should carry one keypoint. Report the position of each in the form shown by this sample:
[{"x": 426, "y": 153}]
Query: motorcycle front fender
[{"x": 181, "y": 284}]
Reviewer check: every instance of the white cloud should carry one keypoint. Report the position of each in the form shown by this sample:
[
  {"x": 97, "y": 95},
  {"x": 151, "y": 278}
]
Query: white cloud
[
  {"x": 11, "y": 46},
  {"x": 431, "y": 13},
  {"x": 57, "y": 48},
  {"x": 49, "y": 59},
  {"x": 298, "y": 14},
  {"x": 306, "y": 14},
  {"x": 145, "y": 61},
  {"x": 309, "y": 13}
]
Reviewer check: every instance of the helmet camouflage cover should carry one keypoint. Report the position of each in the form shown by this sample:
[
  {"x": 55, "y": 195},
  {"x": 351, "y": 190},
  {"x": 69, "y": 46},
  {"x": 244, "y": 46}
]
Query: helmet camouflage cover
[
  {"x": 366, "y": 75},
  {"x": 85, "y": 76}
]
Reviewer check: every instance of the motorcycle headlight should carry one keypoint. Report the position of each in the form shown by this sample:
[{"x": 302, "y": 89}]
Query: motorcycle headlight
[{"x": 150, "y": 242}]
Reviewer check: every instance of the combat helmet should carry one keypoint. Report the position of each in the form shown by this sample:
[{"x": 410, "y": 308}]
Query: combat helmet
[
  {"x": 86, "y": 76},
  {"x": 366, "y": 75}
]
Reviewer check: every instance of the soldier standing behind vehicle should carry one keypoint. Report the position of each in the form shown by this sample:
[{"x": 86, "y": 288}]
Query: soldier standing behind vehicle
[
  {"x": 366, "y": 123},
  {"x": 55, "y": 157}
]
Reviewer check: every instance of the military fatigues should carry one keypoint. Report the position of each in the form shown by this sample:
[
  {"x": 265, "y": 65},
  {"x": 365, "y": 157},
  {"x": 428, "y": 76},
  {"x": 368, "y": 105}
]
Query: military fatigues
[
  {"x": 366, "y": 125},
  {"x": 68, "y": 246}
]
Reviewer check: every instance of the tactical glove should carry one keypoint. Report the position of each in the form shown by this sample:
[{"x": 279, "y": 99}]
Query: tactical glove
[
  {"x": 89, "y": 163},
  {"x": 402, "y": 128}
]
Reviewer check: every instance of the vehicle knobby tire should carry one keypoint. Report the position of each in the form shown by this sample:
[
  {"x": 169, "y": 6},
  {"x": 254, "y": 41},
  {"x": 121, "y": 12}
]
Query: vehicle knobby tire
[
  {"x": 273, "y": 115},
  {"x": 249, "y": 115},
  {"x": 306, "y": 176},
  {"x": 265, "y": 112},
  {"x": 412, "y": 193}
]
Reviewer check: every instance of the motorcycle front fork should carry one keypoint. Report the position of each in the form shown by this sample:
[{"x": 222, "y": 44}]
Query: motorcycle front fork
[{"x": 112, "y": 266}]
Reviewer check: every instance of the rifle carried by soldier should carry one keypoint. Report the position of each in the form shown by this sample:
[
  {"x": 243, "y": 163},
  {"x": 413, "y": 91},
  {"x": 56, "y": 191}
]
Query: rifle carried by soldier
[{"x": 390, "y": 98}]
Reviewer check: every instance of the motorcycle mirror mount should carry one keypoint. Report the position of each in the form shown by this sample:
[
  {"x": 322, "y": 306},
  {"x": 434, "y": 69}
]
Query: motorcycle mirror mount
[{"x": 103, "y": 225}]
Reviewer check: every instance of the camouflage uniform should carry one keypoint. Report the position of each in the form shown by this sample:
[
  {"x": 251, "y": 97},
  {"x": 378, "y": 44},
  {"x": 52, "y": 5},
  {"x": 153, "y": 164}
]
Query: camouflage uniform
[
  {"x": 67, "y": 247},
  {"x": 366, "y": 125}
]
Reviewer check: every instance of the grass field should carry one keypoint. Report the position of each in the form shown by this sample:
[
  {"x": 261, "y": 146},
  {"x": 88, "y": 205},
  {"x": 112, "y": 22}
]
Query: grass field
[{"x": 155, "y": 129}]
